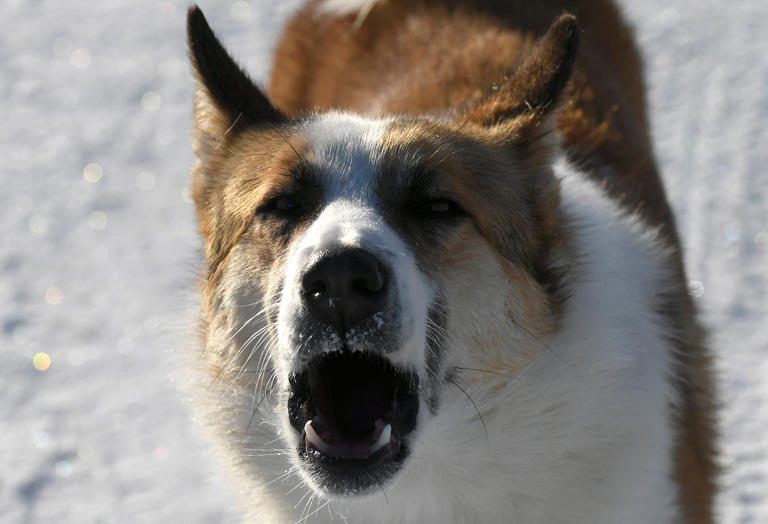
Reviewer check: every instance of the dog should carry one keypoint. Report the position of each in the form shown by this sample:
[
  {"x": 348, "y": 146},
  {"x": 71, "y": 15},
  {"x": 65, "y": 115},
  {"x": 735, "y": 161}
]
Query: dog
[{"x": 443, "y": 282}]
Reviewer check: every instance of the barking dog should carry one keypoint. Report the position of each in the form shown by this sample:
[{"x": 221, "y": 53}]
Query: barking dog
[{"x": 443, "y": 281}]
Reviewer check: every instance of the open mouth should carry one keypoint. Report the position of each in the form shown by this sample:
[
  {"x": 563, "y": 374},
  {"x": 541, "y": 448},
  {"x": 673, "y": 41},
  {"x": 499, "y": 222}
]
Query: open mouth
[{"x": 354, "y": 412}]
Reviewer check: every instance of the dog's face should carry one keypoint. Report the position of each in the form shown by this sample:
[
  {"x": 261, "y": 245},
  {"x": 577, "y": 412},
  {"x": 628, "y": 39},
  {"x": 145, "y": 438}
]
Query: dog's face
[{"x": 356, "y": 266}]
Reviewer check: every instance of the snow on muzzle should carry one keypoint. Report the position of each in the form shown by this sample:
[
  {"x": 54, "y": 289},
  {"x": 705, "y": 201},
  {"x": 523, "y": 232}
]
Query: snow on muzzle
[{"x": 354, "y": 412}]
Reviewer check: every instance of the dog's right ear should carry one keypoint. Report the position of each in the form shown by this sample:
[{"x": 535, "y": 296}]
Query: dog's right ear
[{"x": 226, "y": 98}]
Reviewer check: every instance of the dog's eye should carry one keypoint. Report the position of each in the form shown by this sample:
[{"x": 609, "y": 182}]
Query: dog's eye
[
  {"x": 283, "y": 205},
  {"x": 442, "y": 208}
]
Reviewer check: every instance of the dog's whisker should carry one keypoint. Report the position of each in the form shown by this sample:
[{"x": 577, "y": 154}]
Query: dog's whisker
[
  {"x": 319, "y": 508},
  {"x": 255, "y": 408},
  {"x": 294, "y": 488},
  {"x": 306, "y": 508},
  {"x": 257, "y": 455},
  {"x": 225, "y": 369},
  {"x": 490, "y": 372},
  {"x": 236, "y": 354},
  {"x": 258, "y": 334},
  {"x": 306, "y": 494},
  {"x": 383, "y": 492},
  {"x": 262, "y": 311},
  {"x": 284, "y": 476},
  {"x": 257, "y": 347},
  {"x": 479, "y": 414}
]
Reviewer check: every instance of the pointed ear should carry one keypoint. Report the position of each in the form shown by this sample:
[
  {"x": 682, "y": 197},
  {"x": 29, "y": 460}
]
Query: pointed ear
[
  {"x": 226, "y": 97},
  {"x": 535, "y": 87}
]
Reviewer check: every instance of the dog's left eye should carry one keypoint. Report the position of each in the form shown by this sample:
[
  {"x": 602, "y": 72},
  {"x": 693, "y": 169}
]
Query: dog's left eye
[{"x": 442, "y": 208}]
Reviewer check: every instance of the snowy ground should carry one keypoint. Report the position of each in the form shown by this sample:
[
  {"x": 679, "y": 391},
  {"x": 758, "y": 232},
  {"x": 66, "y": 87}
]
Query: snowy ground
[{"x": 98, "y": 251}]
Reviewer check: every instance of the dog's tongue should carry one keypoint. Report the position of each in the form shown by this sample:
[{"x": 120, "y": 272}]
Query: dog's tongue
[{"x": 333, "y": 444}]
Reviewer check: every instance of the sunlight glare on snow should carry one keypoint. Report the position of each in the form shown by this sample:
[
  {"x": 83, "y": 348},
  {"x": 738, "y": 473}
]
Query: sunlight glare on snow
[
  {"x": 80, "y": 58},
  {"x": 63, "y": 468},
  {"x": 38, "y": 224},
  {"x": 92, "y": 173},
  {"x": 669, "y": 17},
  {"x": 41, "y": 361},
  {"x": 97, "y": 220},
  {"x": 41, "y": 439},
  {"x": 54, "y": 295},
  {"x": 151, "y": 101}
]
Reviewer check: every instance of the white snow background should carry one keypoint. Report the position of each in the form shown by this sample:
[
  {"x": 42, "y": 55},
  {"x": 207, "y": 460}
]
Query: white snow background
[{"x": 98, "y": 249}]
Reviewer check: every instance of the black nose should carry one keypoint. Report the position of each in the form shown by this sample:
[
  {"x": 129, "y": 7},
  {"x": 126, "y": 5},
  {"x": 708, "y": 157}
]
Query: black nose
[{"x": 345, "y": 287}]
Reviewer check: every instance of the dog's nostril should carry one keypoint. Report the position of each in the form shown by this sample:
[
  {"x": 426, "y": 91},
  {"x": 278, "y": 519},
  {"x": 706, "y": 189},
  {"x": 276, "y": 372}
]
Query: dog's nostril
[{"x": 369, "y": 285}]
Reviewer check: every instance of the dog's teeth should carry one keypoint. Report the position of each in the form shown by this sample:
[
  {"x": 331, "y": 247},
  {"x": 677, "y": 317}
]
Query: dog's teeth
[
  {"x": 315, "y": 439},
  {"x": 383, "y": 440}
]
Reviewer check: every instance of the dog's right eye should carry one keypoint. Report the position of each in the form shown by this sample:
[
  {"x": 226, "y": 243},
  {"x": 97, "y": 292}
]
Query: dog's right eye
[{"x": 283, "y": 205}]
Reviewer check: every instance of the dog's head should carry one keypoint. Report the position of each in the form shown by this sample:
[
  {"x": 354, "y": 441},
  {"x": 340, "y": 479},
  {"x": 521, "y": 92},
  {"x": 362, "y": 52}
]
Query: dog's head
[{"x": 358, "y": 268}]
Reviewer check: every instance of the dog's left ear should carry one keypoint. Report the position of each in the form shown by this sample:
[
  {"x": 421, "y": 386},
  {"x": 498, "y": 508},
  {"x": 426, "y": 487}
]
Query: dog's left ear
[
  {"x": 226, "y": 97},
  {"x": 534, "y": 89}
]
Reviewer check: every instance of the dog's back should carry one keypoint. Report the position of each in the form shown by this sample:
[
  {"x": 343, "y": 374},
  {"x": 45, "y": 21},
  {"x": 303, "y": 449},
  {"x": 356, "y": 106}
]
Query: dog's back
[{"x": 436, "y": 56}]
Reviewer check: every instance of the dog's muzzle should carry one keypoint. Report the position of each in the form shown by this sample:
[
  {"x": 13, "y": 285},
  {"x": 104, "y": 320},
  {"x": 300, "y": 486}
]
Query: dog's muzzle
[{"x": 352, "y": 408}]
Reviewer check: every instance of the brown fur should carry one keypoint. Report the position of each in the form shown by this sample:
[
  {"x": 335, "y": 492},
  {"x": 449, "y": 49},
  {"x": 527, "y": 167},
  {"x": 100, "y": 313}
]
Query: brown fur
[{"x": 434, "y": 56}]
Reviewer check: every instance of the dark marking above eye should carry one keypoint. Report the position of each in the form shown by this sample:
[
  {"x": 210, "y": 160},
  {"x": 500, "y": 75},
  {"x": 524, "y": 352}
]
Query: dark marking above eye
[
  {"x": 420, "y": 190},
  {"x": 295, "y": 200}
]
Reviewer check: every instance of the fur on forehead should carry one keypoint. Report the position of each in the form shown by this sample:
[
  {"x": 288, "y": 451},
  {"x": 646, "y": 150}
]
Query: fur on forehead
[{"x": 345, "y": 148}]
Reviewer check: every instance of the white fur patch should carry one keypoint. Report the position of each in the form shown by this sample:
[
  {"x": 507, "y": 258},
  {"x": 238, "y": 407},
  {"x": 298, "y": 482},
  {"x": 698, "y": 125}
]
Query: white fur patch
[{"x": 344, "y": 149}]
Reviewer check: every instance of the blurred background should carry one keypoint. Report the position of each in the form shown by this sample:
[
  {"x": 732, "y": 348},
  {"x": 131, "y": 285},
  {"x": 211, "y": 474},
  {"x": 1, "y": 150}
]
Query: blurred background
[{"x": 99, "y": 253}]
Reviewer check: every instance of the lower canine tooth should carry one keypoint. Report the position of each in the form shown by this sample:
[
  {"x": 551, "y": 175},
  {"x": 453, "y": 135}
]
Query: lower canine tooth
[
  {"x": 383, "y": 440},
  {"x": 314, "y": 438}
]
